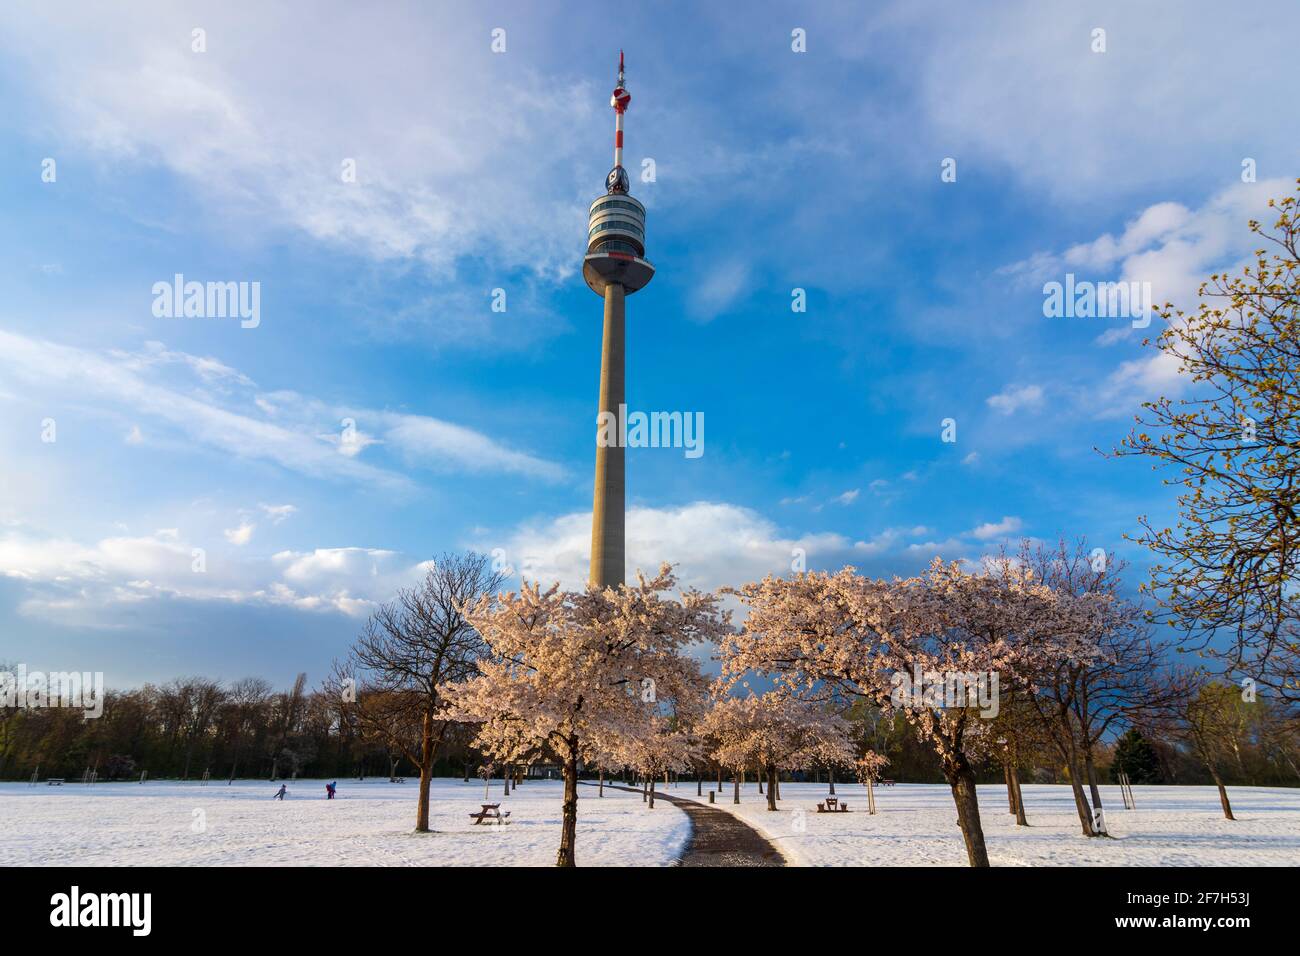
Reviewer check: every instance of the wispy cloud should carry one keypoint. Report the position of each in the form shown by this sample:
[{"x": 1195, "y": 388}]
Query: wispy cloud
[
  {"x": 247, "y": 424},
  {"x": 1014, "y": 397}
]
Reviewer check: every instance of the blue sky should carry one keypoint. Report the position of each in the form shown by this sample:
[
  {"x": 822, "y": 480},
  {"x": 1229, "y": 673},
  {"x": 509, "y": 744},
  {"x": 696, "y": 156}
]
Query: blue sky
[{"x": 775, "y": 170}]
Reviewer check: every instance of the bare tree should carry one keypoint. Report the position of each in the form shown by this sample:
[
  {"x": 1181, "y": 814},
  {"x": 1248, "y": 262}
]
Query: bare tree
[
  {"x": 408, "y": 650},
  {"x": 290, "y": 706},
  {"x": 246, "y": 705},
  {"x": 1083, "y": 700},
  {"x": 190, "y": 705}
]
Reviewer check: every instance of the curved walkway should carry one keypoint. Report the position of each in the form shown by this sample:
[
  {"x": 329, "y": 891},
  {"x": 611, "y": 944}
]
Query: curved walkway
[{"x": 717, "y": 838}]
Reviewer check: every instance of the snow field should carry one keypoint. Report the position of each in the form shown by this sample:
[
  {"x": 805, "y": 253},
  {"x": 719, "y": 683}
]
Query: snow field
[
  {"x": 916, "y": 825},
  {"x": 370, "y": 823}
]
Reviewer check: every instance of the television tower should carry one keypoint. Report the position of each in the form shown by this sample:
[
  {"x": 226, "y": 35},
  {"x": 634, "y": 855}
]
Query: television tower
[{"x": 615, "y": 267}]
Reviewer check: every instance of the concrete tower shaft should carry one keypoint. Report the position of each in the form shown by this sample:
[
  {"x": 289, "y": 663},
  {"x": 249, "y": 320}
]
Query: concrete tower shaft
[{"x": 608, "y": 555}]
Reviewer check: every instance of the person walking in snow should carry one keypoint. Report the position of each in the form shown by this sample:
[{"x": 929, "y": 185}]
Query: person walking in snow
[
  {"x": 281, "y": 792},
  {"x": 329, "y": 790}
]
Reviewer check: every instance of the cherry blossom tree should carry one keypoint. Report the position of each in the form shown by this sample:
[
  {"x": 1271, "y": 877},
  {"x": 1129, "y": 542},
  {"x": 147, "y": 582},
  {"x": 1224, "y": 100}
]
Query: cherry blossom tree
[
  {"x": 665, "y": 747},
  {"x": 774, "y": 732},
  {"x": 572, "y": 670},
  {"x": 934, "y": 647}
]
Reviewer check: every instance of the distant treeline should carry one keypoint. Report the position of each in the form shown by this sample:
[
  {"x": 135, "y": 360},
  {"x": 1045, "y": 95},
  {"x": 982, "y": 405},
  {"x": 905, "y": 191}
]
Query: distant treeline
[
  {"x": 193, "y": 725},
  {"x": 245, "y": 728}
]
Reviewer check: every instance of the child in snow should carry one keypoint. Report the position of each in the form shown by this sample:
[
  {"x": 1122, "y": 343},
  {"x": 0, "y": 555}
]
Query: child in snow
[
  {"x": 281, "y": 792},
  {"x": 329, "y": 790}
]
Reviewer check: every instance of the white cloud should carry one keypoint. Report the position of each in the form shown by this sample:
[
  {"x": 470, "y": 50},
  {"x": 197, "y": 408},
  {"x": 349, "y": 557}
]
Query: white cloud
[
  {"x": 997, "y": 529},
  {"x": 242, "y": 535},
  {"x": 429, "y": 441},
  {"x": 263, "y": 126},
  {"x": 713, "y": 543},
  {"x": 1175, "y": 249},
  {"x": 279, "y": 427},
  {"x": 86, "y": 584},
  {"x": 1081, "y": 125},
  {"x": 948, "y": 549},
  {"x": 718, "y": 288},
  {"x": 278, "y": 513},
  {"x": 1014, "y": 397},
  {"x": 848, "y": 497}
]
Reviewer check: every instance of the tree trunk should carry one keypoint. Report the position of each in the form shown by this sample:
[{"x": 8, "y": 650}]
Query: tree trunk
[
  {"x": 735, "y": 797},
  {"x": 1094, "y": 791},
  {"x": 1080, "y": 801},
  {"x": 422, "y": 807},
  {"x": 426, "y": 773},
  {"x": 569, "y": 827},
  {"x": 830, "y": 775},
  {"x": 771, "y": 787},
  {"x": 699, "y": 785},
  {"x": 467, "y": 771},
  {"x": 719, "y": 779},
  {"x": 1021, "y": 821},
  {"x": 1011, "y": 790},
  {"x": 962, "y": 781},
  {"x": 601, "y": 792},
  {"x": 759, "y": 777},
  {"x": 652, "y": 793},
  {"x": 1223, "y": 794}
]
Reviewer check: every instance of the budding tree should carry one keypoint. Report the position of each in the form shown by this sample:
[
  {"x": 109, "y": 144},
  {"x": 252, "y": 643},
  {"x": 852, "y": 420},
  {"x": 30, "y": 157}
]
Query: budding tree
[
  {"x": 1228, "y": 567},
  {"x": 1204, "y": 714}
]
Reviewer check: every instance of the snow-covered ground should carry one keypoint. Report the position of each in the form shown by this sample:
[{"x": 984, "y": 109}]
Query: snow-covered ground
[
  {"x": 368, "y": 824},
  {"x": 916, "y": 825}
]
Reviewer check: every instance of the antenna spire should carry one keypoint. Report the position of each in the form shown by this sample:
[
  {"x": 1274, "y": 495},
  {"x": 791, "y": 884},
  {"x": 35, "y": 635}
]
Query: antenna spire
[{"x": 617, "y": 181}]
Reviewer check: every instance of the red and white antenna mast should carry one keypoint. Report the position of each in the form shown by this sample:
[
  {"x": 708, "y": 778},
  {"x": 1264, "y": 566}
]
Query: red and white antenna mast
[{"x": 620, "y": 99}]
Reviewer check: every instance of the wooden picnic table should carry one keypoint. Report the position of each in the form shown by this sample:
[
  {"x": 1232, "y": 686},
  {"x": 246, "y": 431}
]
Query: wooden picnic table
[
  {"x": 490, "y": 811},
  {"x": 833, "y": 805}
]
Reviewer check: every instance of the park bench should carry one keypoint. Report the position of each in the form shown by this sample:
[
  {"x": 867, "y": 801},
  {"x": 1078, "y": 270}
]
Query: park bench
[
  {"x": 833, "y": 805},
  {"x": 490, "y": 811},
  {"x": 55, "y": 781},
  {"x": 886, "y": 783}
]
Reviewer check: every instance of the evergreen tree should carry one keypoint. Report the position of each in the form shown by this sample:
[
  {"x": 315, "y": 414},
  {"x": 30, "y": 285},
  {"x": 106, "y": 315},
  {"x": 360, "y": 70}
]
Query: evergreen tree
[{"x": 1135, "y": 756}]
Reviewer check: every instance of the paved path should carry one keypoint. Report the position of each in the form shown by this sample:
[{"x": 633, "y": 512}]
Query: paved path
[{"x": 717, "y": 838}]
